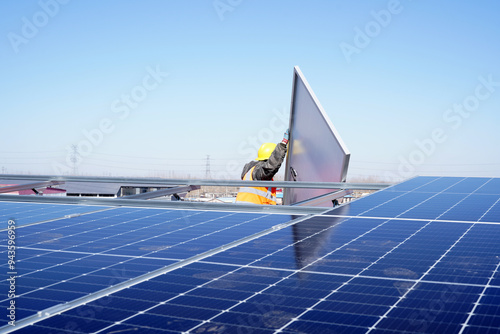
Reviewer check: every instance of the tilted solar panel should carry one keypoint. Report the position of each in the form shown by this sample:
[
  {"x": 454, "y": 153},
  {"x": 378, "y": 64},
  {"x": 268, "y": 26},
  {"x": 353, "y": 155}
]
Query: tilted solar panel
[
  {"x": 389, "y": 262},
  {"x": 316, "y": 151}
]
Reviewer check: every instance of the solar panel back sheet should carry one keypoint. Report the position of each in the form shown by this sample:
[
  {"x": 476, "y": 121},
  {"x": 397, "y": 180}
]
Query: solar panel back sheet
[
  {"x": 421, "y": 256},
  {"x": 316, "y": 151}
]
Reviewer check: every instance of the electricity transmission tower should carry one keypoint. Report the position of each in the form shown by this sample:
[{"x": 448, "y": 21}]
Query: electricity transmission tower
[
  {"x": 74, "y": 158},
  {"x": 207, "y": 168}
]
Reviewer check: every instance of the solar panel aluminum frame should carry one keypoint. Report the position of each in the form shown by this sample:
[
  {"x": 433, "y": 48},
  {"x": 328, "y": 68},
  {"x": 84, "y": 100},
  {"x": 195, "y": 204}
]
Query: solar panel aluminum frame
[
  {"x": 18, "y": 187},
  {"x": 162, "y": 192},
  {"x": 159, "y": 182},
  {"x": 177, "y": 205},
  {"x": 327, "y": 198},
  {"x": 308, "y": 159}
]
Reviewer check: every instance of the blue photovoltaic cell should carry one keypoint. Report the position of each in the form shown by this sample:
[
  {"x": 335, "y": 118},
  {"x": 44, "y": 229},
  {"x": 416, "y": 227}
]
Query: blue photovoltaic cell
[
  {"x": 473, "y": 260},
  {"x": 468, "y": 185},
  {"x": 485, "y": 316},
  {"x": 361, "y": 251},
  {"x": 273, "y": 298},
  {"x": 27, "y": 213},
  {"x": 492, "y": 187},
  {"x": 422, "y": 256},
  {"x": 493, "y": 214},
  {"x": 398, "y": 205},
  {"x": 415, "y": 256},
  {"x": 98, "y": 250},
  {"x": 368, "y": 203},
  {"x": 411, "y": 184},
  {"x": 441, "y": 184},
  {"x": 435, "y": 207},
  {"x": 207, "y": 291},
  {"x": 480, "y": 203},
  {"x": 451, "y": 203}
]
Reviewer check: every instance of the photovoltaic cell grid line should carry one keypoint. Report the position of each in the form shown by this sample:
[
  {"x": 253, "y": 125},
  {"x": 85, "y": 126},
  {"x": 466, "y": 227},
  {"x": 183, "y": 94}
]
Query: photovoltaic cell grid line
[
  {"x": 329, "y": 274},
  {"x": 463, "y": 199},
  {"x": 70, "y": 258}
]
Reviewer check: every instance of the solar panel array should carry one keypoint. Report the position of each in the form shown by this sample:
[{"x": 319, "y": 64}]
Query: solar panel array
[
  {"x": 421, "y": 256},
  {"x": 26, "y": 213}
]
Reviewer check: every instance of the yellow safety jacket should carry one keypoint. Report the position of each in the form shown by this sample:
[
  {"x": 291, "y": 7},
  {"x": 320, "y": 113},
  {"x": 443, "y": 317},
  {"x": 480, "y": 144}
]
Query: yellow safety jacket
[{"x": 256, "y": 195}]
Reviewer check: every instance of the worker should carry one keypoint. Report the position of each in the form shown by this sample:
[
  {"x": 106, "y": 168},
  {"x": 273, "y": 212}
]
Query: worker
[{"x": 269, "y": 159}]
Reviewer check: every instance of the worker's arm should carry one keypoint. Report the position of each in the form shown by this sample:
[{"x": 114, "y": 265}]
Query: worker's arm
[{"x": 267, "y": 169}]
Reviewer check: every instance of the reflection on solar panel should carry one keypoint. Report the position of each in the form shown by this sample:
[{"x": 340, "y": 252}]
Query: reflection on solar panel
[{"x": 421, "y": 256}]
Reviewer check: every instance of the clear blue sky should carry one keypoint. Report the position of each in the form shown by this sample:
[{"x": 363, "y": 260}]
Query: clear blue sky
[{"x": 413, "y": 87}]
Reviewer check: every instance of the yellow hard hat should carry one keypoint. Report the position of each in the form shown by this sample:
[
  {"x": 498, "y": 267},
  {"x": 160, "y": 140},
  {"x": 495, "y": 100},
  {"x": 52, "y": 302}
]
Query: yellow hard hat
[{"x": 265, "y": 151}]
